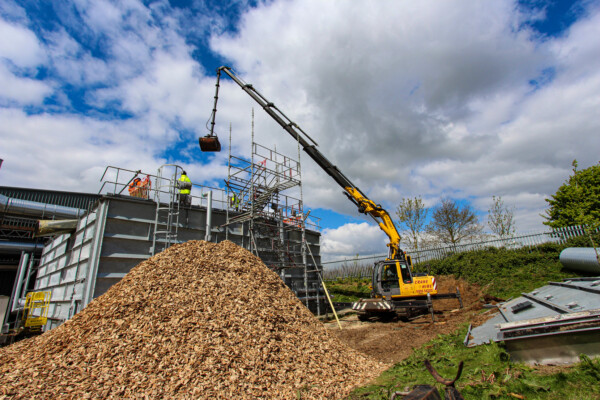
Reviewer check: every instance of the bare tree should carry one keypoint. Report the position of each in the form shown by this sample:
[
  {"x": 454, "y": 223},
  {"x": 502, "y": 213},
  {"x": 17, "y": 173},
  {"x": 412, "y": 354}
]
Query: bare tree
[
  {"x": 501, "y": 219},
  {"x": 412, "y": 215},
  {"x": 452, "y": 224}
]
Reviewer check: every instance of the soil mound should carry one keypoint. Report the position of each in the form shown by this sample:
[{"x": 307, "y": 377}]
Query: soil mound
[
  {"x": 392, "y": 342},
  {"x": 198, "y": 321}
]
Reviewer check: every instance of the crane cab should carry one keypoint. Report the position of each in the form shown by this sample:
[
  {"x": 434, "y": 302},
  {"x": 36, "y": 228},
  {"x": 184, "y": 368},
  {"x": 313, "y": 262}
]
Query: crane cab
[{"x": 393, "y": 279}]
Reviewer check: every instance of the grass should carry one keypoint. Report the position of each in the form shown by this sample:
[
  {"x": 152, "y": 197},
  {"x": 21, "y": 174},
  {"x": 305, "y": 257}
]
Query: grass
[
  {"x": 349, "y": 289},
  {"x": 506, "y": 273},
  {"x": 488, "y": 372}
]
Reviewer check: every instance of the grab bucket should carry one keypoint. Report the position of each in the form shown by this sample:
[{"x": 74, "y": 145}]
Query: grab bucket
[{"x": 209, "y": 143}]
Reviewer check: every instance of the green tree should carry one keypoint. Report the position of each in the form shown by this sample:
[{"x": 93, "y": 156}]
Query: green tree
[
  {"x": 577, "y": 201},
  {"x": 452, "y": 224},
  {"x": 501, "y": 219},
  {"x": 412, "y": 215}
]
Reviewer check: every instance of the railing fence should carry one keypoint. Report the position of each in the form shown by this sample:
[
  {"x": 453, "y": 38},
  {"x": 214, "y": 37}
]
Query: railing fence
[{"x": 362, "y": 266}]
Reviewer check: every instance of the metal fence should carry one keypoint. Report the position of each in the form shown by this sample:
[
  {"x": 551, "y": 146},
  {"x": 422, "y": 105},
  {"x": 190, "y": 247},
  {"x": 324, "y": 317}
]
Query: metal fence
[{"x": 362, "y": 266}]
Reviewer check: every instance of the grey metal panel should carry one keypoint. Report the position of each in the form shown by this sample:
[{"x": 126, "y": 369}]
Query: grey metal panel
[
  {"x": 132, "y": 209},
  {"x": 94, "y": 259},
  {"x": 555, "y": 349},
  {"x": 104, "y": 283},
  {"x": 118, "y": 236},
  {"x": 567, "y": 298},
  {"x": 118, "y": 264},
  {"x": 118, "y": 247},
  {"x": 133, "y": 228}
]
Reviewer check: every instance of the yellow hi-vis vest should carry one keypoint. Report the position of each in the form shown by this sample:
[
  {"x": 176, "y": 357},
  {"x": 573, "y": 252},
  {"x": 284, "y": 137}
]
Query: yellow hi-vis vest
[{"x": 184, "y": 178}]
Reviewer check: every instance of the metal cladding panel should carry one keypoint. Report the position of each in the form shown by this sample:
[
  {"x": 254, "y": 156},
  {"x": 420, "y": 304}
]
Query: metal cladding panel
[
  {"x": 185, "y": 235},
  {"x": 103, "y": 284},
  {"x": 58, "y": 293},
  {"x": 571, "y": 299},
  {"x": 118, "y": 235},
  {"x": 110, "y": 265},
  {"x": 116, "y": 246},
  {"x": 66, "y": 199},
  {"x": 131, "y": 208},
  {"x": 125, "y": 227}
]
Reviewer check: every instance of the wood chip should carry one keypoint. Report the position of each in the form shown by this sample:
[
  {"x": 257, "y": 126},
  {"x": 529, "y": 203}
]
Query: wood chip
[{"x": 199, "y": 320}]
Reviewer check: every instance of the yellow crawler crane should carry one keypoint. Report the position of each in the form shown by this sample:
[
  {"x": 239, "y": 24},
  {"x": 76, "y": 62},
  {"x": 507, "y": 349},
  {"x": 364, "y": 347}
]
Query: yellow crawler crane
[{"x": 395, "y": 290}]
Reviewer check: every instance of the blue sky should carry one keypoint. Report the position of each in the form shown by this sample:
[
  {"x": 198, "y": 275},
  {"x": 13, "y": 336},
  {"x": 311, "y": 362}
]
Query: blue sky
[{"x": 430, "y": 99}]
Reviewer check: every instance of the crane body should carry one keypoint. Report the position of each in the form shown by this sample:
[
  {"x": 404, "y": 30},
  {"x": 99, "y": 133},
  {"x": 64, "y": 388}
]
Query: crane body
[{"x": 394, "y": 288}]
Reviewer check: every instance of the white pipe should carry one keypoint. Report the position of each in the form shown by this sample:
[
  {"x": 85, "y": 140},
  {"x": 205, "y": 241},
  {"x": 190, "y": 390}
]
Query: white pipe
[
  {"x": 14, "y": 299},
  {"x": 27, "y": 278},
  {"x": 208, "y": 235}
]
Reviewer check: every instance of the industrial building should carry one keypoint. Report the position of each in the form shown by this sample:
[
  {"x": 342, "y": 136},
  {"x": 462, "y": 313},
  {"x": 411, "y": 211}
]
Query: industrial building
[{"x": 95, "y": 239}]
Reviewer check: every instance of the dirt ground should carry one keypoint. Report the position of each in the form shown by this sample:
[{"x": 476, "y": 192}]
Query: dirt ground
[{"x": 391, "y": 342}]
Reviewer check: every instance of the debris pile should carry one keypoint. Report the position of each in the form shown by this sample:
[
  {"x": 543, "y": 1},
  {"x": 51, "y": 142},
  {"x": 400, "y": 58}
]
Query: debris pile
[{"x": 199, "y": 320}]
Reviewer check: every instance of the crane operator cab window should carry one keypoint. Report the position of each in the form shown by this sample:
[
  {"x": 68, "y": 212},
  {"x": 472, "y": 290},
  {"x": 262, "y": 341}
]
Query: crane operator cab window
[
  {"x": 390, "y": 277},
  {"x": 405, "y": 271}
]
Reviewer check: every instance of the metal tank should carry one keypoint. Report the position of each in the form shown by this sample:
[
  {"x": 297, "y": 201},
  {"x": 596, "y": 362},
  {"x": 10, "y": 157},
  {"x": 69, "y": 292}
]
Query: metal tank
[{"x": 584, "y": 259}]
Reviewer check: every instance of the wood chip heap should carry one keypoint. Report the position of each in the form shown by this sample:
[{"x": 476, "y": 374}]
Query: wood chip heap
[{"x": 197, "y": 321}]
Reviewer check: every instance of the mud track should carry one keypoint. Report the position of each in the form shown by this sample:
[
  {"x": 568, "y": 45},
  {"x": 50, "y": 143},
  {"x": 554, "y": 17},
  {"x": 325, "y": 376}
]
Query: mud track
[{"x": 392, "y": 342}]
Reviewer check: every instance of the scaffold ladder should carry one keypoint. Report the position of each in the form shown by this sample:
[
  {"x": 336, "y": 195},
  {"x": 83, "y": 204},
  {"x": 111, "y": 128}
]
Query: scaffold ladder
[{"x": 166, "y": 196}]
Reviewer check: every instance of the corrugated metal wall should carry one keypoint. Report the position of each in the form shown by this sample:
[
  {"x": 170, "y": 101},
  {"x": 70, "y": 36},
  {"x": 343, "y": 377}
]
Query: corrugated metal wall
[{"x": 117, "y": 236}]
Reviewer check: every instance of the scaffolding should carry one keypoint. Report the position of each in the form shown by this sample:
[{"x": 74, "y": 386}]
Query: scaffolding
[{"x": 276, "y": 222}]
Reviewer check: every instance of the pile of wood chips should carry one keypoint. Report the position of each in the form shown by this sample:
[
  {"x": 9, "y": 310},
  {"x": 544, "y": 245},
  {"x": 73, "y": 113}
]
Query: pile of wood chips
[{"x": 197, "y": 321}]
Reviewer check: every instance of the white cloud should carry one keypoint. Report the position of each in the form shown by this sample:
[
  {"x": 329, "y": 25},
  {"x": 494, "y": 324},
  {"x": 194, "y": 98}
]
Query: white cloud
[
  {"x": 352, "y": 239},
  {"x": 22, "y": 91},
  {"x": 426, "y": 98},
  {"x": 19, "y": 45},
  {"x": 420, "y": 98},
  {"x": 20, "y": 55}
]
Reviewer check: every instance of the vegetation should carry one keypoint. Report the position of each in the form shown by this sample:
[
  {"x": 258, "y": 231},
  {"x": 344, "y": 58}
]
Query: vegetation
[
  {"x": 487, "y": 374},
  {"x": 451, "y": 223},
  {"x": 412, "y": 215},
  {"x": 349, "y": 289},
  {"x": 502, "y": 273},
  {"x": 505, "y": 273},
  {"x": 501, "y": 219},
  {"x": 577, "y": 201}
]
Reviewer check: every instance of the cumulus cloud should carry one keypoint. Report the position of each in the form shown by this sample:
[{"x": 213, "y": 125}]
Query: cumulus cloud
[
  {"x": 420, "y": 98},
  {"x": 19, "y": 45},
  {"x": 428, "y": 99},
  {"x": 20, "y": 55},
  {"x": 352, "y": 239}
]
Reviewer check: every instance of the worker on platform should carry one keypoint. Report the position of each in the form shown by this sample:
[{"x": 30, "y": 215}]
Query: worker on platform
[
  {"x": 185, "y": 188},
  {"x": 235, "y": 202}
]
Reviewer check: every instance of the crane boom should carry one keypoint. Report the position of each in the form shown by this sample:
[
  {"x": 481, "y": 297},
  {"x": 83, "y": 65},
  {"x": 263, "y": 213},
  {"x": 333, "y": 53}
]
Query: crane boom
[{"x": 364, "y": 204}]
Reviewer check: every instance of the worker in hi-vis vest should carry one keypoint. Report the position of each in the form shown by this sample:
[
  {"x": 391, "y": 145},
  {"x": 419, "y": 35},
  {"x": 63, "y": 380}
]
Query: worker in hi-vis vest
[
  {"x": 234, "y": 202},
  {"x": 185, "y": 188}
]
